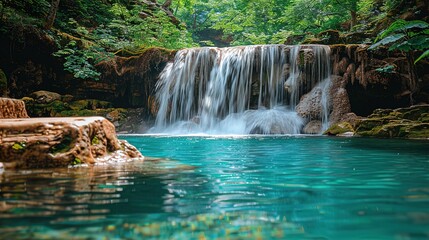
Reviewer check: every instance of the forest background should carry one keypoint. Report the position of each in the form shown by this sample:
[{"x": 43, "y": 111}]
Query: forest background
[{"x": 87, "y": 32}]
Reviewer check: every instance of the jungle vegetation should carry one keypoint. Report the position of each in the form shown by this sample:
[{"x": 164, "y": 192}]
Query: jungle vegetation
[{"x": 89, "y": 31}]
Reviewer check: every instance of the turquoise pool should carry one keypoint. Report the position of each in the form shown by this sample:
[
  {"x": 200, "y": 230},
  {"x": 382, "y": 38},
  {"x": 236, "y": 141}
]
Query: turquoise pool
[{"x": 283, "y": 187}]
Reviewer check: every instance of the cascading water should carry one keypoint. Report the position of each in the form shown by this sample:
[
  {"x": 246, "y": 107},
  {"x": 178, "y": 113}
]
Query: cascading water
[{"x": 240, "y": 90}]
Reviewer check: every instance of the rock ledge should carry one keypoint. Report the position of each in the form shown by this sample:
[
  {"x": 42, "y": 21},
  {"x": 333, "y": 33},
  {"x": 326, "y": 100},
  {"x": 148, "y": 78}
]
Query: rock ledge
[{"x": 61, "y": 142}]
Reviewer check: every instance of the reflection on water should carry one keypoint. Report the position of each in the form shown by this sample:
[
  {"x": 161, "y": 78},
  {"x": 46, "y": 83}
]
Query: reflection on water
[{"x": 257, "y": 188}]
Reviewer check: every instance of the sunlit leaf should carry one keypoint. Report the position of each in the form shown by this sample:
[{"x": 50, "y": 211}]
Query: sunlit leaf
[
  {"x": 424, "y": 55},
  {"x": 388, "y": 40}
]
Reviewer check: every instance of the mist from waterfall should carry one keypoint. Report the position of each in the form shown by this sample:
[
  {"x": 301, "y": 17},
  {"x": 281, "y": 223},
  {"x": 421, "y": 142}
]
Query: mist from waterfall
[{"x": 240, "y": 90}]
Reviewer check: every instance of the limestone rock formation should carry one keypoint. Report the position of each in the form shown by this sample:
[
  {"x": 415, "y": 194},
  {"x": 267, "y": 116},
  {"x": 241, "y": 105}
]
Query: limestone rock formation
[
  {"x": 340, "y": 104},
  {"x": 12, "y": 108},
  {"x": 340, "y": 129},
  {"x": 411, "y": 122},
  {"x": 61, "y": 142},
  {"x": 310, "y": 104},
  {"x": 313, "y": 127},
  {"x": 375, "y": 79}
]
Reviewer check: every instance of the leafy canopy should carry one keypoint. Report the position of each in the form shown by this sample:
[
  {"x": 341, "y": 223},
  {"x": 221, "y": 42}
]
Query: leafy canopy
[{"x": 405, "y": 36}]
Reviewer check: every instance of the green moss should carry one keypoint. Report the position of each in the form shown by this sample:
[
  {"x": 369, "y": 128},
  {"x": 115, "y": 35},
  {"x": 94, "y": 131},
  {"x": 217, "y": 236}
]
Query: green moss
[
  {"x": 415, "y": 113},
  {"x": 424, "y": 118},
  {"x": 63, "y": 146},
  {"x": 412, "y": 122},
  {"x": 420, "y": 131},
  {"x": 76, "y": 161},
  {"x": 19, "y": 146},
  {"x": 51, "y": 109},
  {"x": 339, "y": 128},
  {"x": 95, "y": 140},
  {"x": 90, "y": 104}
]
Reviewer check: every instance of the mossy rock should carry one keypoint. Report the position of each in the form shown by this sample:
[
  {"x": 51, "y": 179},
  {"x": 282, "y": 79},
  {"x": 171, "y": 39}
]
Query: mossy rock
[
  {"x": 419, "y": 131},
  {"x": 3, "y": 84},
  {"x": 415, "y": 112},
  {"x": 312, "y": 41},
  {"x": 398, "y": 129},
  {"x": 370, "y": 123},
  {"x": 329, "y": 36},
  {"x": 339, "y": 128},
  {"x": 424, "y": 118},
  {"x": 411, "y": 113},
  {"x": 52, "y": 109},
  {"x": 89, "y": 104},
  {"x": 45, "y": 96},
  {"x": 379, "y": 113}
]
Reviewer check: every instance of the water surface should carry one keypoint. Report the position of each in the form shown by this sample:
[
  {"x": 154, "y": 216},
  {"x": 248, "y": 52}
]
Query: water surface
[{"x": 230, "y": 187}]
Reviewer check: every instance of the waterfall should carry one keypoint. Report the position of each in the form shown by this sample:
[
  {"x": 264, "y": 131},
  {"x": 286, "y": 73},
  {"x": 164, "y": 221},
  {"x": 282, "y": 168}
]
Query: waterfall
[{"x": 239, "y": 90}]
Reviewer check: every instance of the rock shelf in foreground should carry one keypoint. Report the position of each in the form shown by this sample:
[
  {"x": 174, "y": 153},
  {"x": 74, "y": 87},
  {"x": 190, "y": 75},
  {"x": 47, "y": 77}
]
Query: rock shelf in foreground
[{"x": 61, "y": 142}]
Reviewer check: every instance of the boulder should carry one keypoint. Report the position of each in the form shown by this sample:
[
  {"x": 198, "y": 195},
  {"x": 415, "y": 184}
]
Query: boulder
[
  {"x": 309, "y": 105},
  {"x": 329, "y": 36},
  {"x": 12, "y": 108},
  {"x": 45, "y": 96},
  {"x": 313, "y": 127},
  {"x": 61, "y": 142},
  {"x": 340, "y": 129},
  {"x": 340, "y": 105}
]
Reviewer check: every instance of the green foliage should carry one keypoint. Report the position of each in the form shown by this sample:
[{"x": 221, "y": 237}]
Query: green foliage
[
  {"x": 76, "y": 161},
  {"x": 19, "y": 146},
  {"x": 80, "y": 61},
  {"x": 267, "y": 21},
  {"x": 63, "y": 146},
  {"x": 424, "y": 55},
  {"x": 95, "y": 140},
  {"x": 386, "y": 69},
  {"x": 405, "y": 36},
  {"x": 130, "y": 30},
  {"x": 33, "y": 8}
]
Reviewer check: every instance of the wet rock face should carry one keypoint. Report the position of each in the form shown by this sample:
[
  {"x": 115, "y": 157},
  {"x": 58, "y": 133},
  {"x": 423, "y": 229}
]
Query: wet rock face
[
  {"x": 340, "y": 105},
  {"x": 313, "y": 127},
  {"x": 61, "y": 142},
  {"x": 373, "y": 79},
  {"x": 310, "y": 104},
  {"x": 12, "y": 108}
]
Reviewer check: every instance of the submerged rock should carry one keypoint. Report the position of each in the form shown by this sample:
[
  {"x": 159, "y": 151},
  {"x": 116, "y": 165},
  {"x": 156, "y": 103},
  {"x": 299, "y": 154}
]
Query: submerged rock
[{"x": 61, "y": 142}]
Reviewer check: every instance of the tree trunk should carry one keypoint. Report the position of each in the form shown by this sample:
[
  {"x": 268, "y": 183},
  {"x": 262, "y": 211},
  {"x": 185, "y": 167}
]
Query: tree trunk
[
  {"x": 413, "y": 84},
  {"x": 167, "y": 4},
  {"x": 353, "y": 23},
  {"x": 52, "y": 14}
]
